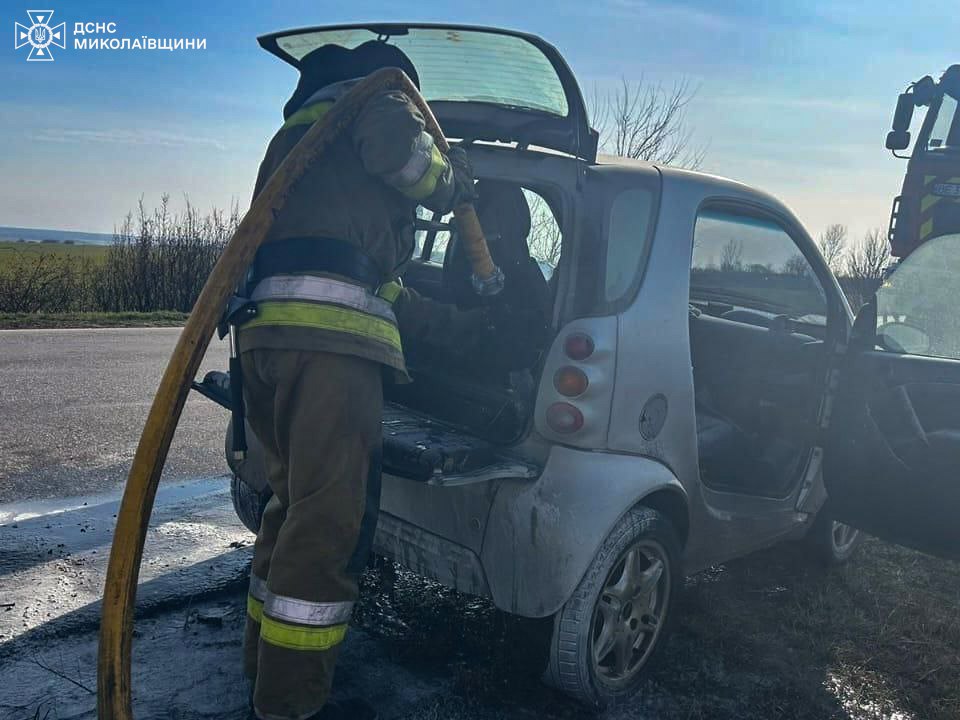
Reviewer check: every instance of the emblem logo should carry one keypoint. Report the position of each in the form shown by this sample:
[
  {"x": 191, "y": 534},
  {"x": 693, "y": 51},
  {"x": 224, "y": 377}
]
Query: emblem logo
[{"x": 40, "y": 36}]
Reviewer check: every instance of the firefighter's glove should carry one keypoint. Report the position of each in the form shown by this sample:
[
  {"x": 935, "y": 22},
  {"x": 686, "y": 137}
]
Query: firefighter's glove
[{"x": 463, "y": 189}]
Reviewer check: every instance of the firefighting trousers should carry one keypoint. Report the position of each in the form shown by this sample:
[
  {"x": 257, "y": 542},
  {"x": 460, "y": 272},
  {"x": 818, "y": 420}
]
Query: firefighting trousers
[{"x": 318, "y": 417}]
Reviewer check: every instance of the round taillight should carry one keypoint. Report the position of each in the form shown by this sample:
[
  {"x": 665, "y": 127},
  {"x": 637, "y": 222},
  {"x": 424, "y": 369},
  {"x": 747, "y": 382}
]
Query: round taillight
[
  {"x": 564, "y": 418},
  {"x": 570, "y": 381},
  {"x": 578, "y": 346}
]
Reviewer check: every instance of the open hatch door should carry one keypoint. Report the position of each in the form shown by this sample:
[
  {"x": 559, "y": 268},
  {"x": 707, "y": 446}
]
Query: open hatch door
[
  {"x": 892, "y": 462},
  {"x": 481, "y": 83}
]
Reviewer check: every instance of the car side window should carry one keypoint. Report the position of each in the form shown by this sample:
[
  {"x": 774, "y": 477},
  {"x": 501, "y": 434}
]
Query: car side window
[
  {"x": 917, "y": 303},
  {"x": 628, "y": 237},
  {"x": 752, "y": 262},
  {"x": 544, "y": 239}
]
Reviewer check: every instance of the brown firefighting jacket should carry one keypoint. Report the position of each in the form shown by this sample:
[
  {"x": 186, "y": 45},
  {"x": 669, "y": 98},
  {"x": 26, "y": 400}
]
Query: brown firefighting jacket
[{"x": 363, "y": 191}]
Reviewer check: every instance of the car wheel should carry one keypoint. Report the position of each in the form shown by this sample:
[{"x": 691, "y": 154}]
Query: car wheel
[
  {"x": 608, "y": 632},
  {"x": 832, "y": 541},
  {"x": 248, "y": 503},
  {"x": 249, "y": 489}
]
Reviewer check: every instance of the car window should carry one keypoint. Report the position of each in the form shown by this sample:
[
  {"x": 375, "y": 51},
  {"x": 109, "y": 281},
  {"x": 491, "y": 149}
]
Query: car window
[
  {"x": 627, "y": 240},
  {"x": 917, "y": 303},
  {"x": 947, "y": 126},
  {"x": 752, "y": 262},
  {"x": 544, "y": 240}
]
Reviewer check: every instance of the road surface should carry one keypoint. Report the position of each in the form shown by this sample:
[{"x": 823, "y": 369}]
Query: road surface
[{"x": 73, "y": 403}]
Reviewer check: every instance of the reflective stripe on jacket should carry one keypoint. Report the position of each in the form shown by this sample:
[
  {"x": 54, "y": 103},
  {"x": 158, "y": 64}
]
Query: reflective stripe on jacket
[{"x": 331, "y": 306}]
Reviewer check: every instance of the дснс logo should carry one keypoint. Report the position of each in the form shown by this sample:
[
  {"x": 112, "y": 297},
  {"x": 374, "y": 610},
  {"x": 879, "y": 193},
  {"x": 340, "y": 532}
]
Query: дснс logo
[{"x": 40, "y": 36}]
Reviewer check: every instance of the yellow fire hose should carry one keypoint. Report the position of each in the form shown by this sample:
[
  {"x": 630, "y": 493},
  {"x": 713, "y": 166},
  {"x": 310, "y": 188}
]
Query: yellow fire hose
[{"x": 120, "y": 590}]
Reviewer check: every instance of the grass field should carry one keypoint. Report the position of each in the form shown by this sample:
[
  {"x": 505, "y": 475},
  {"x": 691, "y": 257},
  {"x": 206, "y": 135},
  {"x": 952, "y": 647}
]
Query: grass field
[
  {"x": 30, "y": 321},
  {"x": 11, "y": 249}
]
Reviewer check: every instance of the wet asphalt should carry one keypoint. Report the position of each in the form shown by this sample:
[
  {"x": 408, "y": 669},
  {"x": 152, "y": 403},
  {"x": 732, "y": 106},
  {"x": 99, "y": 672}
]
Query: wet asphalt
[{"x": 73, "y": 402}]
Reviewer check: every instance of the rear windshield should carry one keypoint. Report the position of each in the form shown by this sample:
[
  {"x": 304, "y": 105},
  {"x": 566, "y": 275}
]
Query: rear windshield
[{"x": 459, "y": 65}]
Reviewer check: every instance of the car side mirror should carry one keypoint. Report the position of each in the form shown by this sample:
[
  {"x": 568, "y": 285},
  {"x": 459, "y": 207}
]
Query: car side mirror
[{"x": 899, "y": 337}]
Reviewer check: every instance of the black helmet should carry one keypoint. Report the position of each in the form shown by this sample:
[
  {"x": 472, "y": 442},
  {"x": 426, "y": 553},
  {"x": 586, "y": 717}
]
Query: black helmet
[{"x": 329, "y": 64}]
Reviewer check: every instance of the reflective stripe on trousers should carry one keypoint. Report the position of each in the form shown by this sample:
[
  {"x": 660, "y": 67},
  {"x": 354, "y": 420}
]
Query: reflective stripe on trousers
[{"x": 297, "y": 624}]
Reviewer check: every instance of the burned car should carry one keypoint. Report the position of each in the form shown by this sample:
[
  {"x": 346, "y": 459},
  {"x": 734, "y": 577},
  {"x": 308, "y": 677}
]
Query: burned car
[{"x": 700, "y": 390}]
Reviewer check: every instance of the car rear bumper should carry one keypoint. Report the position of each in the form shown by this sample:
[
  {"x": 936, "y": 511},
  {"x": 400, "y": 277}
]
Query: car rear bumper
[{"x": 430, "y": 555}]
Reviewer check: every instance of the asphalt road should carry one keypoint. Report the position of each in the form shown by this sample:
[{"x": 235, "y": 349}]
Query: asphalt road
[{"x": 73, "y": 402}]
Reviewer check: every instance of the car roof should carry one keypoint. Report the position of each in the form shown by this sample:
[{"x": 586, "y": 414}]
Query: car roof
[{"x": 704, "y": 184}]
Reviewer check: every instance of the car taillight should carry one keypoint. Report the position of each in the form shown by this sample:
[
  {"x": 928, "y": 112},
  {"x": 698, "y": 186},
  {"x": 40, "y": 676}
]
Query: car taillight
[
  {"x": 578, "y": 346},
  {"x": 570, "y": 381},
  {"x": 564, "y": 418}
]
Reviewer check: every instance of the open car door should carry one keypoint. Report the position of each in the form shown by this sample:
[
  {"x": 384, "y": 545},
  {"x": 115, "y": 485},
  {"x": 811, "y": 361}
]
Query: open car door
[{"x": 892, "y": 462}]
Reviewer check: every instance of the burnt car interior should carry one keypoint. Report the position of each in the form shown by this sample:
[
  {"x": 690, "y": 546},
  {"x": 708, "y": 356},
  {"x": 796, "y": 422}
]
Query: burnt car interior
[
  {"x": 758, "y": 362},
  {"x": 465, "y": 403}
]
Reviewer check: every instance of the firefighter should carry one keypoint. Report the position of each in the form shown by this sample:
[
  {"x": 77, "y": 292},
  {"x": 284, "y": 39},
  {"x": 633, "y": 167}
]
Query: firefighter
[{"x": 313, "y": 358}]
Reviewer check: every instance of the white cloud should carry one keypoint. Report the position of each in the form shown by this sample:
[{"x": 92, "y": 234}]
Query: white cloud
[{"x": 124, "y": 137}]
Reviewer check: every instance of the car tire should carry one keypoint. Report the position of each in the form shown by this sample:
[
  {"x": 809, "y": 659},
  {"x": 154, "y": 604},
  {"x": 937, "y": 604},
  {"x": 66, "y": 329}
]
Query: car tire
[
  {"x": 248, "y": 503},
  {"x": 249, "y": 489},
  {"x": 831, "y": 542},
  {"x": 632, "y": 610}
]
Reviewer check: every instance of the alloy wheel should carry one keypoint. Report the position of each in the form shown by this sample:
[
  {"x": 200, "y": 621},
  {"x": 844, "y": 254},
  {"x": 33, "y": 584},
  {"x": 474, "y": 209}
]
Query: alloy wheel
[{"x": 630, "y": 612}]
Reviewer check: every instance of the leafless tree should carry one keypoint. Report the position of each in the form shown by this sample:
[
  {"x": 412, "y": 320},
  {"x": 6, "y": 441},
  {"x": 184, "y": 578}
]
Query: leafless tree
[
  {"x": 160, "y": 259},
  {"x": 865, "y": 263},
  {"x": 796, "y": 266},
  {"x": 545, "y": 238},
  {"x": 832, "y": 243},
  {"x": 647, "y": 121},
  {"x": 731, "y": 256}
]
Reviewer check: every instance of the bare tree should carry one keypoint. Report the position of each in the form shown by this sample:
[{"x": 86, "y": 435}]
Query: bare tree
[
  {"x": 160, "y": 259},
  {"x": 731, "y": 256},
  {"x": 796, "y": 266},
  {"x": 832, "y": 243},
  {"x": 865, "y": 264},
  {"x": 647, "y": 121},
  {"x": 546, "y": 240}
]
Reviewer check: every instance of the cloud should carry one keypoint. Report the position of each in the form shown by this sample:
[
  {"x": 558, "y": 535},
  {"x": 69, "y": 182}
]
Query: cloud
[{"x": 124, "y": 137}]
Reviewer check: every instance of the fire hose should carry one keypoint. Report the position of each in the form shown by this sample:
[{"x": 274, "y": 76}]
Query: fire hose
[{"x": 136, "y": 506}]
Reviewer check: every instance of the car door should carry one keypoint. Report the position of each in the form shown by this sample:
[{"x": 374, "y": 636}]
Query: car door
[{"x": 892, "y": 461}]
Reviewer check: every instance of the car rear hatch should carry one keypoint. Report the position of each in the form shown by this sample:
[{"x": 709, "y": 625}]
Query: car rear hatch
[{"x": 481, "y": 83}]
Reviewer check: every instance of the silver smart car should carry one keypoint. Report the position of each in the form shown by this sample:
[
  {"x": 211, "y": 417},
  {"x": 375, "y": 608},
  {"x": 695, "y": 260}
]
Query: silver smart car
[{"x": 702, "y": 391}]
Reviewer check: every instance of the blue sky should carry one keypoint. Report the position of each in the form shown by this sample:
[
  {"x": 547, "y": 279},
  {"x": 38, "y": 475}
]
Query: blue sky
[{"x": 795, "y": 98}]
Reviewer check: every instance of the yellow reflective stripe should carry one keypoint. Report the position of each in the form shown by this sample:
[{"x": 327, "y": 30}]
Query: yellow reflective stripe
[
  {"x": 295, "y": 637},
  {"x": 927, "y": 179},
  {"x": 389, "y": 291},
  {"x": 426, "y": 185},
  {"x": 308, "y": 115},
  {"x": 926, "y": 228},
  {"x": 254, "y": 608},
  {"x": 325, "y": 317},
  {"x": 928, "y": 201}
]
